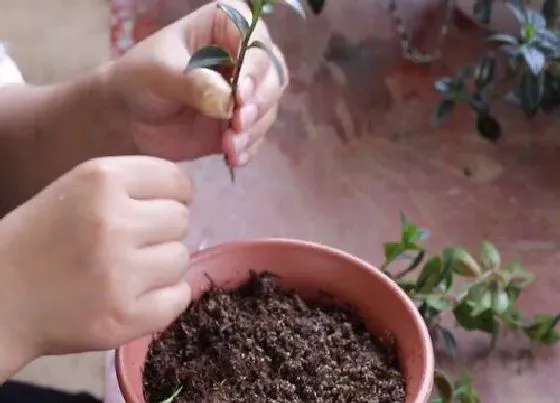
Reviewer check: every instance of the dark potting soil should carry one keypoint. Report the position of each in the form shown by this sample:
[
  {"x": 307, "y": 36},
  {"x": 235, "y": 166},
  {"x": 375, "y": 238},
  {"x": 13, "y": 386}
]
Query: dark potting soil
[{"x": 262, "y": 344}]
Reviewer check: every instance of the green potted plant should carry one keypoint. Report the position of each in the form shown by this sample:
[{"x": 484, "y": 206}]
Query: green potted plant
[{"x": 521, "y": 65}]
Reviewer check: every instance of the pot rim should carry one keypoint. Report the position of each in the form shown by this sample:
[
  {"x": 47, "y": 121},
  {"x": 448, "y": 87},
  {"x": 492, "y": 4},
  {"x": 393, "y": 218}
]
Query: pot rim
[{"x": 426, "y": 382}]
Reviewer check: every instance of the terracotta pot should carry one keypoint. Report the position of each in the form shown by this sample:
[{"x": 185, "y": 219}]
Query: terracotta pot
[
  {"x": 502, "y": 18},
  {"x": 308, "y": 268}
]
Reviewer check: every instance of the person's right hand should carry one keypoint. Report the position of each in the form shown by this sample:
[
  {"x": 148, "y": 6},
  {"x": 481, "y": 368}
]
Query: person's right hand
[{"x": 96, "y": 259}]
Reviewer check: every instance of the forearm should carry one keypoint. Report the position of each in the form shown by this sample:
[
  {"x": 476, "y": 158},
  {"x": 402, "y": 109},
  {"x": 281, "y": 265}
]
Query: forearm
[{"x": 45, "y": 131}]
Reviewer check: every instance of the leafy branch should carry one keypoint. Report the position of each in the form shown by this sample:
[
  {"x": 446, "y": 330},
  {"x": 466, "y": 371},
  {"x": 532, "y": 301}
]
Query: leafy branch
[
  {"x": 522, "y": 69},
  {"x": 217, "y": 58},
  {"x": 486, "y": 302}
]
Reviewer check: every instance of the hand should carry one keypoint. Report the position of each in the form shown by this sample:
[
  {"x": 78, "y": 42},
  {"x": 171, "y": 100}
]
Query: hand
[
  {"x": 181, "y": 116},
  {"x": 96, "y": 259}
]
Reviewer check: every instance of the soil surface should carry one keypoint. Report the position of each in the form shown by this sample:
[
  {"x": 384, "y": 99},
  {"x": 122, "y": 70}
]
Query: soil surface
[{"x": 262, "y": 344}]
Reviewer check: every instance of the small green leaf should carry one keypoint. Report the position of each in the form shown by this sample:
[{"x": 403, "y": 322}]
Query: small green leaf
[
  {"x": 410, "y": 234},
  {"x": 504, "y": 39},
  {"x": 484, "y": 322},
  {"x": 489, "y": 128},
  {"x": 465, "y": 265},
  {"x": 443, "y": 386},
  {"x": 208, "y": 57},
  {"x": 295, "y": 5},
  {"x": 518, "y": 276},
  {"x": 500, "y": 300},
  {"x": 278, "y": 66},
  {"x": 490, "y": 256},
  {"x": 484, "y": 71},
  {"x": 481, "y": 303},
  {"x": 531, "y": 92},
  {"x": 448, "y": 339},
  {"x": 443, "y": 111},
  {"x": 465, "y": 391},
  {"x": 236, "y": 17},
  {"x": 392, "y": 251},
  {"x": 445, "y": 85},
  {"x": 173, "y": 397},
  {"x": 542, "y": 329},
  {"x": 534, "y": 58},
  {"x": 517, "y": 11},
  {"x": 430, "y": 276}
]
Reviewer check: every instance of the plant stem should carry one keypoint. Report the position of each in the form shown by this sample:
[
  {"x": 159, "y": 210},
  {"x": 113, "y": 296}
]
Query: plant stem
[{"x": 235, "y": 81}]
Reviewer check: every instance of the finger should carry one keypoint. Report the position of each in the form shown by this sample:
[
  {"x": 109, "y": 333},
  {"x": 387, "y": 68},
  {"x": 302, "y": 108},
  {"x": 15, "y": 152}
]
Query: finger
[
  {"x": 236, "y": 146},
  {"x": 156, "y": 310},
  {"x": 147, "y": 178},
  {"x": 160, "y": 266},
  {"x": 267, "y": 96},
  {"x": 206, "y": 91},
  {"x": 160, "y": 221}
]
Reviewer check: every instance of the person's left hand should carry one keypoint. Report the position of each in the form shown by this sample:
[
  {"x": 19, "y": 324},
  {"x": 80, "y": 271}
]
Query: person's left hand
[{"x": 181, "y": 116}]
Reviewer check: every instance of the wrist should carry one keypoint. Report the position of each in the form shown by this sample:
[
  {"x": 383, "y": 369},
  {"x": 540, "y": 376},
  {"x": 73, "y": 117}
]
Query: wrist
[{"x": 17, "y": 346}]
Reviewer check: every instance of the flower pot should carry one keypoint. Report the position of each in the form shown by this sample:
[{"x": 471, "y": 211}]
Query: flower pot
[
  {"x": 309, "y": 269},
  {"x": 502, "y": 18}
]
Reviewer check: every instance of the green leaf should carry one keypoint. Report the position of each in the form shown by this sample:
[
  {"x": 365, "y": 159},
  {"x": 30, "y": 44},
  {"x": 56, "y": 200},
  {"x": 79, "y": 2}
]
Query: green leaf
[
  {"x": 483, "y": 322},
  {"x": 504, "y": 39},
  {"x": 465, "y": 391},
  {"x": 489, "y": 128},
  {"x": 517, "y": 10},
  {"x": 534, "y": 58},
  {"x": 500, "y": 300},
  {"x": 276, "y": 62},
  {"x": 173, "y": 397},
  {"x": 483, "y": 303},
  {"x": 518, "y": 276},
  {"x": 484, "y": 71},
  {"x": 295, "y": 5},
  {"x": 445, "y": 86},
  {"x": 513, "y": 318},
  {"x": 448, "y": 339},
  {"x": 490, "y": 256},
  {"x": 392, "y": 251},
  {"x": 449, "y": 262},
  {"x": 443, "y": 386},
  {"x": 236, "y": 17},
  {"x": 410, "y": 234},
  {"x": 531, "y": 92},
  {"x": 208, "y": 57},
  {"x": 430, "y": 276},
  {"x": 465, "y": 265},
  {"x": 542, "y": 329},
  {"x": 443, "y": 111}
]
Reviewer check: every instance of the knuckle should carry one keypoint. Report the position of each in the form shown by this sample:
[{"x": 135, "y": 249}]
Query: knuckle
[{"x": 94, "y": 171}]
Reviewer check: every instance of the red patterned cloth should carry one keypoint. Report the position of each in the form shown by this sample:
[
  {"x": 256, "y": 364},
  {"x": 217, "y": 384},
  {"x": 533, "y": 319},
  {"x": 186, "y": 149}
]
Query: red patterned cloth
[{"x": 133, "y": 20}]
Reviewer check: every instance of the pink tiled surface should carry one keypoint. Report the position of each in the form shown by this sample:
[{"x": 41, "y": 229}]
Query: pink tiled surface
[{"x": 349, "y": 83}]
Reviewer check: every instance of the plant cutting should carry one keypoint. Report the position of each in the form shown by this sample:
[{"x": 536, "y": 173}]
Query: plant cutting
[
  {"x": 219, "y": 59},
  {"x": 486, "y": 300}
]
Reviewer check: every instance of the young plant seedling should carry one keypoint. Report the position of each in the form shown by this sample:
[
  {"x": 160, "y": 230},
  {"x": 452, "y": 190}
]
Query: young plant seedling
[
  {"x": 487, "y": 301},
  {"x": 217, "y": 58}
]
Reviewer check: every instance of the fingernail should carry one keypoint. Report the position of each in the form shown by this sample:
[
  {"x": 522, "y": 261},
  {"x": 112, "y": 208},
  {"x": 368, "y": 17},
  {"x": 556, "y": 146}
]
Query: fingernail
[
  {"x": 248, "y": 116},
  {"x": 246, "y": 89},
  {"x": 240, "y": 143},
  {"x": 243, "y": 158}
]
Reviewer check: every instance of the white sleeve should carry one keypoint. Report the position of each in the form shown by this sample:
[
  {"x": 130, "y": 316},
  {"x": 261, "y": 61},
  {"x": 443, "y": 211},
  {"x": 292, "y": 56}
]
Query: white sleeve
[{"x": 9, "y": 72}]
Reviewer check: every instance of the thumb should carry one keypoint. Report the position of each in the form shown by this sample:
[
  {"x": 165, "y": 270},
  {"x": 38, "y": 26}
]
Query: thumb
[{"x": 209, "y": 93}]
